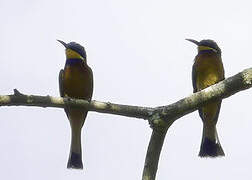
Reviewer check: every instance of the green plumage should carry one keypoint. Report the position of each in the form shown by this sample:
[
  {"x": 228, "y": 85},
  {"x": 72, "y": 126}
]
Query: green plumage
[
  {"x": 76, "y": 81},
  {"x": 208, "y": 70}
]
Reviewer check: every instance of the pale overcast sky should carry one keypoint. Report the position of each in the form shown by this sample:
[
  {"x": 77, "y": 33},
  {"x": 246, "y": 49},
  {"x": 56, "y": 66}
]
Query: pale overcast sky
[{"x": 139, "y": 56}]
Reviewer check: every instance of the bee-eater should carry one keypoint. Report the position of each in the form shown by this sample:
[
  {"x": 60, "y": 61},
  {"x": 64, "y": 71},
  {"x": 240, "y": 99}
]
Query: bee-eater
[
  {"x": 206, "y": 71},
  {"x": 76, "y": 81}
]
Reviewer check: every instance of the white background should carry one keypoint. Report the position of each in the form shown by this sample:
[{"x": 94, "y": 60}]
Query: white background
[{"x": 139, "y": 56}]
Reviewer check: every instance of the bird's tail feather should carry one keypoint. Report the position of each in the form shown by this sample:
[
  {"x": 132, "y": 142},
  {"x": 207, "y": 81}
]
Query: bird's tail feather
[
  {"x": 210, "y": 145},
  {"x": 75, "y": 157},
  {"x": 74, "y": 161}
]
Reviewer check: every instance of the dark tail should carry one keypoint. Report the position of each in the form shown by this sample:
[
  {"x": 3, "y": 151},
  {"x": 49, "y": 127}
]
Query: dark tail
[
  {"x": 210, "y": 145},
  {"x": 75, "y": 161},
  {"x": 75, "y": 157}
]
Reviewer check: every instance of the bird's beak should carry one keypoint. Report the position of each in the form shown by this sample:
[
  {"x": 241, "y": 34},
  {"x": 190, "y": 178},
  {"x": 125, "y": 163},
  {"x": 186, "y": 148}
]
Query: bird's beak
[
  {"x": 62, "y": 42},
  {"x": 193, "y": 41}
]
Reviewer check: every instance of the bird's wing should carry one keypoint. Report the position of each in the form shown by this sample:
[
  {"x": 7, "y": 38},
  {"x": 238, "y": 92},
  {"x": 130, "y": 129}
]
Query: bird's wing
[
  {"x": 61, "y": 89},
  {"x": 194, "y": 75},
  {"x": 91, "y": 83}
]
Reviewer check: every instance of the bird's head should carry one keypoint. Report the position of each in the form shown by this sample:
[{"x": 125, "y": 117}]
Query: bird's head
[
  {"x": 74, "y": 50},
  {"x": 206, "y": 45}
]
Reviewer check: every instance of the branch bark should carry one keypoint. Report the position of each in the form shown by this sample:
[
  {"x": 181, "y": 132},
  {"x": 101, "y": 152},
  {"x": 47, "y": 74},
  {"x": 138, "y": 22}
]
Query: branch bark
[
  {"x": 19, "y": 99},
  {"x": 160, "y": 118},
  {"x": 159, "y": 131}
]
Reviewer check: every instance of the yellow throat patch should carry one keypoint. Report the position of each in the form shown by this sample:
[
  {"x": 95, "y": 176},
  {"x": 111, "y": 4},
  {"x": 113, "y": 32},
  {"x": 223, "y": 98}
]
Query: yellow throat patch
[{"x": 70, "y": 54}]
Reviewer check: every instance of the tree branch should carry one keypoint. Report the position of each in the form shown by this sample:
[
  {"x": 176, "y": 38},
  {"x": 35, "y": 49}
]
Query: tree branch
[
  {"x": 19, "y": 99},
  {"x": 221, "y": 90},
  {"x": 155, "y": 146},
  {"x": 160, "y": 118}
]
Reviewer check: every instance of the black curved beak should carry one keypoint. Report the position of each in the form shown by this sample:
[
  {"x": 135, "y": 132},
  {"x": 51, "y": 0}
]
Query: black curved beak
[
  {"x": 62, "y": 42},
  {"x": 193, "y": 41}
]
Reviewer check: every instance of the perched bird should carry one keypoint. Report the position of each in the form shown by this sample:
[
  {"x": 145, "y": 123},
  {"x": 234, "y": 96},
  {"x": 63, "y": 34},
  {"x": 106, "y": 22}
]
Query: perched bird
[
  {"x": 76, "y": 81},
  {"x": 206, "y": 71}
]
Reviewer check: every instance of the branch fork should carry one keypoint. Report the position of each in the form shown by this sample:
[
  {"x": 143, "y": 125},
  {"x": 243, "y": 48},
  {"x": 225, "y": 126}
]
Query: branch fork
[{"x": 160, "y": 118}]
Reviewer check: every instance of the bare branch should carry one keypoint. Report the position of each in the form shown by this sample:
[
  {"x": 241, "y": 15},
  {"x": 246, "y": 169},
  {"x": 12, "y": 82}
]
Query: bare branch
[
  {"x": 168, "y": 114},
  {"x": 221, "y": 90},
  {"x": 160, "y": 118},
  {"x": 19, "y": 99},
  {"x": 153, "y": 154},
  {"x": 155, "y": 146}
]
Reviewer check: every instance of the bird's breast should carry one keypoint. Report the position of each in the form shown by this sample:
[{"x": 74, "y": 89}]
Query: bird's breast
[
  {"x": 77, "y": 82},
  {"x": 209, "y": 71}
]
